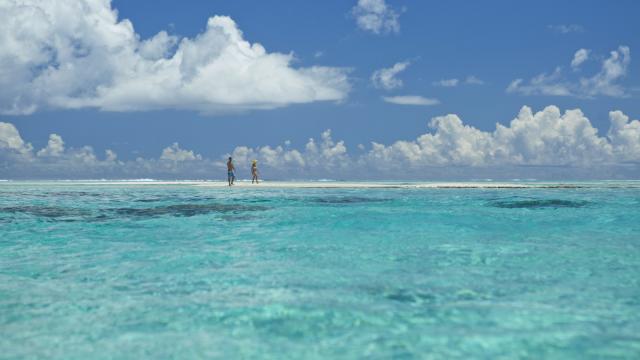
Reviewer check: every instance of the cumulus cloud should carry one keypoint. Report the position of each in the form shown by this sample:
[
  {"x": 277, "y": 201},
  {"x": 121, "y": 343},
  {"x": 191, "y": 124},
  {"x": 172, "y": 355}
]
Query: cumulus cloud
[
  {"x": 318, "y": 158},
  {"x": 579, "y": 57},
  {"x": 532, "y": 144},
  {"x": 544, "y": 138},
  {"x": 566, "y": 28},
  {"x": 624, "y": 136},
  {"x": 175, "y": 153},
  {"x": 18, "y": 160},
  {"x": 376, "y": 16},
  {"x": 77, "y": 54},
  {"x": 110, "y": 155},
  {"x": 55, "y": 146},
  {"x": 604, "y": 83},
  {"x": 410, "y": 100},
  {"x": 385, "y": 78},
  {"x": 539, "y": 144},
  {"x": 11, "y": 142}
]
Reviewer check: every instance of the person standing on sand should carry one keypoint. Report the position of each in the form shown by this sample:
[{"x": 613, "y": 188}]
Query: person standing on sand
[
  {"x": 254, "y": 171},
  {"x": 231, "y": 177}
]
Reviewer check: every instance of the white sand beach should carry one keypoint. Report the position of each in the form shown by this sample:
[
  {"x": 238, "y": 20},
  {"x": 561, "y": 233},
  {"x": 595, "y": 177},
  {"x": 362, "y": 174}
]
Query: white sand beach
[{"x": 344, "y": 184}]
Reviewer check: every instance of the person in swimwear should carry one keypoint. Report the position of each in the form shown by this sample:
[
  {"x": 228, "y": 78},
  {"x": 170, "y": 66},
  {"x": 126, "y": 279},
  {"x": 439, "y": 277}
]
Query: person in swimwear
[
  {"x": 254, "y": 172},
  {"x": 231, "y": 177}
]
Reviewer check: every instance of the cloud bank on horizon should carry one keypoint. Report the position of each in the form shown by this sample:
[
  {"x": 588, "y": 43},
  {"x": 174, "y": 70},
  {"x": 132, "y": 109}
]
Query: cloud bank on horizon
[
  {"x": 529, "y": 146},
  {"x": 78, "y": 54}
]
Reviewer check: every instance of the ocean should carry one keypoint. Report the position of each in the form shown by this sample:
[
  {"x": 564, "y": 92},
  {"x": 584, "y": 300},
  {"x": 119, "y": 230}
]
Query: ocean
[{"x": 131, "y": 271}]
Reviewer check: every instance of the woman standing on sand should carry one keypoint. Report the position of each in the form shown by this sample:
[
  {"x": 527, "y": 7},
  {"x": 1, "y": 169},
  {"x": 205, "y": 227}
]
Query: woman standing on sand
[{"x": 254, "y": 171}]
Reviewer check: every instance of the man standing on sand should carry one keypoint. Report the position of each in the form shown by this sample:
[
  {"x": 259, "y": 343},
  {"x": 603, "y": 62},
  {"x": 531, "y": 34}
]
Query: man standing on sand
[
  {"x": 254, "y": 171},
  {"x": 230, "y": 168}
]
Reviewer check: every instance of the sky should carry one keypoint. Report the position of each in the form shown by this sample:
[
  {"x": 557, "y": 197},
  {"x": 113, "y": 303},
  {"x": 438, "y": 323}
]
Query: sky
[{"x": 338, "y": 89}]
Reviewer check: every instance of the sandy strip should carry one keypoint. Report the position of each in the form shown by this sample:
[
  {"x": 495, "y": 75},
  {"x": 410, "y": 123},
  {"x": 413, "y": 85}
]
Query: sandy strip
[
  {"x": 292, "y": 184},
  {"x": 365, "y": 185},
  {"x": 344, "y": 184}
]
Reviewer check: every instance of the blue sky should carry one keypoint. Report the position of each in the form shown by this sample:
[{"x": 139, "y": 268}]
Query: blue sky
[{"x": 496, "y": 42}]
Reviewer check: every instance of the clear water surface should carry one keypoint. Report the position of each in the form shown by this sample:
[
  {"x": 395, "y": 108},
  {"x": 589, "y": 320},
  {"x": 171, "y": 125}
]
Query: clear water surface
[{"x": 130, "y": 272}]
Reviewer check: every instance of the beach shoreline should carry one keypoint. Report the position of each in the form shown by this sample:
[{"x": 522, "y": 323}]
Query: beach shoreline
[{"x": 244, "y": 184}]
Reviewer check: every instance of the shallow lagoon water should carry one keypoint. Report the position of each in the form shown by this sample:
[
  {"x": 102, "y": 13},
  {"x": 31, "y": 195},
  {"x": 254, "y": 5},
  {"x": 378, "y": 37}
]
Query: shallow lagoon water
[{"x": 178, "y": 271}]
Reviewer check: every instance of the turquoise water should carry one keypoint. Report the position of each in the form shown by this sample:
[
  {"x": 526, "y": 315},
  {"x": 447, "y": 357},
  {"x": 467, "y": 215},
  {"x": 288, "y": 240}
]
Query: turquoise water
[{"x": 130, "y": 272}]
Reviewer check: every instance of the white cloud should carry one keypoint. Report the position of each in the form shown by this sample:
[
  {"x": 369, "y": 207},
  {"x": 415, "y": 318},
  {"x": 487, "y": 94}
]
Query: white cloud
[
  {"x": 175, "y": 153},
  {"x": 385, "y": 78},
  {"x": 579, "y": 57},
  {"x": 55, "y": 161},
  {"x": 76, "y": 54},
  {"x": 158, "y": 47},
  {"x": 473, "y": 80},
  {"x": 447, "y": 83},
  {"x": 605, "y": 82},
  {"x": 624, "y": 136},
  {"x": 55, "y": 146},
  {"x": 532, "y": 144},
  {"x": 11, "y": 141},
  {"x": 546, "y": 138},
  {"x": 110, "y": 155},
  {"x": 410, "y": 100},
  {"x": 566, "y": 28},
  {"x": 543, "y": 84},
  {"x": 613, "y": 69},
  {"x": 52, "y": 161},
  {"x": 539, "y": 144},
  {"x": 469, "y": 80},
  {"x": 376, "y": 16},
  {"x": 317, "y": 159}
]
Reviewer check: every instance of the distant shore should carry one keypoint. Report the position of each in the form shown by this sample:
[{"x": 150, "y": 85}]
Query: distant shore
[{"x": 347, "y": 184}]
